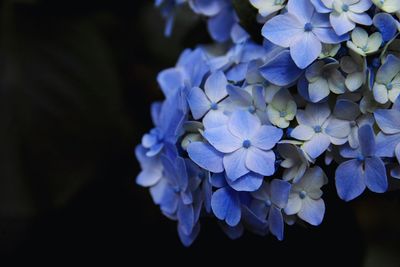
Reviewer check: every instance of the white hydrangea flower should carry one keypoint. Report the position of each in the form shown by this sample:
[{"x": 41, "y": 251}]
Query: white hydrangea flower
[{"x": 363, "y": 44}]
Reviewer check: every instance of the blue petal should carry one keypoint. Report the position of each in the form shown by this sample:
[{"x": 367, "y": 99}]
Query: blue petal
[
  {"x": 320, "y": 7},
  {"x": 170, "y": 80},
  {"x": 225, "y": 204},
  {"x": 386, "y": 143},
  {"x": 187, "y": 240},
  {"x": 388, "y": 120},
  {"x": 206, "y": 7},
  {"x": 198, "y": 102},
  {"x": 366, "y": 138},
  {"x": 280, "y": 192},
  {"x": 275, "y": 220},
  {"x": 206, "y": 156},
  {"x": 249, "y": 182},
  {"x": 215, "y": 86},
  {"x": 305, "y": 50},
  {"x": 243, "y": 124},
  {"x": 260, "y": 161},
  {"x": 220, "y": 25},
  {"x": 238, "y": 72},
  {"x": 386, "y": 25},
  {"x": 282, "y": 30},
  {"x": 239, "y": 95},
  {"x": 346, "y": 110},
  {"x": 375, "y": 175},
  {"x": 302, "y": 9},
  {"x": 222, "y": 139},
  {"x": 281, "y": 70},
  {"x": 266, "y": 137},
  {"x": 253, "y": 222},
  {"x": 218, "y": 180},
  {"x": 235, "y": 164},
  {"x": 234, "y": 232},
  {"x": 312, "y": 211},
  {"x": 349, "y": 180},
  {"x": 185, "y": 216}
]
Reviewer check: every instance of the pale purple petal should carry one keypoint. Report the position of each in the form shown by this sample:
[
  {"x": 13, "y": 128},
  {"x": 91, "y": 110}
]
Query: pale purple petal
[
  {"x": 206, "y": 156},
  {"x": 312, "y": 211},
  {"x": 266, "y": 137},
  {"x": 243, "y": 124},
  {"x": 341, "y": 23},
  {"x": 282, "y": 29},
  {"x": 302, "y": 9},
  {"x": 248, "y": 183},
  {"x": 349, "y": 179},
  {"x": 215, "y": 86},
  {"x": 222, "y": 139},
  {"x": 261, "y": 162},
  {"x": 375, "y": 175},
  {"x": 305, "y": 50},
  {"x": 198, "y": 102},
  {"x": 316, "y": 145},
  {"x": 235, "y": 164},
  {"x": 302, "y": 132}
]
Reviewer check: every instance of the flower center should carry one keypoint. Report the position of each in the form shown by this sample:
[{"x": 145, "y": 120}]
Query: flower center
[
  {"x": 214, "y": 106},
  {"x": 302, "y": 194},
  {"x": 317, "y": 129},
  {"x": 389, "y": 86},
  {"x": 252, "y": 109},
  {"x": 282, "y": 114},
  {"x": 246, "y": 143},
  {"x": 345, "y": 7},
  {"x": 360, "y": 158},
  {"x": 308, "y": 27}
]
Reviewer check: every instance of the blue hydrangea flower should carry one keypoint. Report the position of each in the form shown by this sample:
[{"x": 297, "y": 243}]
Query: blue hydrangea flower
[
  {"x": 250, "y": 98},
  {"x": 345, "y": 14},
  {"x": 347, "y": 110},
  {"x": 364, "y": 169},
  {"x": 188, "y": 72},
  {"x": 305, "y": 197},
  {"x": 208, "y": 103},
  {"x": 318, "y": 129},
  {"x": 302, "y": 30},
  {"x": 387, "y": 81},
  {"x": 246, "y": 145},
  {"x": 271, "y": 199},
  {"x": 388, "y": 121}
]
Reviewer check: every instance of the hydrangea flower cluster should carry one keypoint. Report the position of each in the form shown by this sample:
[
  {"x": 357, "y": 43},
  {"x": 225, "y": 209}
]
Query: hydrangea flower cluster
[{"x": 244, "y": 136}]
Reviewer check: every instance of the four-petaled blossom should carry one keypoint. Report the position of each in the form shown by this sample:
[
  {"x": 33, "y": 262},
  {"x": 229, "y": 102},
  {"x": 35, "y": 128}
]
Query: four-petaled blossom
[
  {"x": 272, "y": 199},
  {"x": 305, "y": 197},
  {"x": 324, "y": 78},
  {"x": 355, "y": 66},
  {"x": 345, "y": 14},
  {"x": 318, "y": 130},
  {"x": 282, "y": 109},
  {"x": 208, "y": 103},
  {"x": 387, "y": 81},
  {"x": 246, "y": 145},
  {"x": 363, "y": 44},
  {"x": 302, "y": 30},
  {"x": 364, "y": 169}
]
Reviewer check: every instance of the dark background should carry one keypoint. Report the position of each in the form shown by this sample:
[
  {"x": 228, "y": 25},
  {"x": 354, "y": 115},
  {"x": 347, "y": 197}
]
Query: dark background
[{"x": 76, "y": 83}]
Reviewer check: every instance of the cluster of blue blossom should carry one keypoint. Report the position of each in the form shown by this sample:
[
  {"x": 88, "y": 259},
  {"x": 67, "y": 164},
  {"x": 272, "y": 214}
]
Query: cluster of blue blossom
[{"x": 239, "y": 134}]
